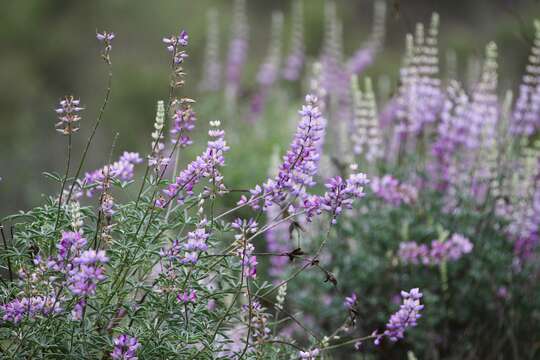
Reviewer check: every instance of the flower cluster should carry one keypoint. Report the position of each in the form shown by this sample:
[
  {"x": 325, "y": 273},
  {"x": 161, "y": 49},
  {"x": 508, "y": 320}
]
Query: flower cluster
[
  {"x": 392, "y": 191},
  {"x": 238, "y": 46},
  {"x": 175, "y": 43},
  {"x": 296, "y": 56},
  {"x": 78, "y": 310},
  {"x": 258, "y": 321},
  {"x": 406, "y": 317},
  {"x": 422, "y": 98},
  {"x": 527, "y": 108},
  {"x": 87, "y": 272},
  {"x": 366, "y": 137},
  {"x": 205, "y": 165},
  {"x": 107, "y": 205},
  {"x": 340, "y": 193},
  {"x": 83, "y": 269},
  {"x": 125, "y": 347},
  {"x": 188, "y": 296},
  {"x": 106, "y": 38},
  {"x": 300, "y": 163},
  {"x": 450, "y": 250},
  {"x": 269, "y": 69},
  {"x": 211, "y": 79},
  {"x": 365, "y": 55},
  {"x": 68, "y": 115},
  {"x": 172, "y": 252},
  {"x": 183, "y": 122},
  {"x": 70, "y": 245},
  {"x": 450, "y": 136},
  {"x": 196, "y": 243},
  {"x": 332, "y": 53},
  {"x": 121, "y": 170},
  {"x": 18, "y": 309},
  {"x": 157, "y": 158}
]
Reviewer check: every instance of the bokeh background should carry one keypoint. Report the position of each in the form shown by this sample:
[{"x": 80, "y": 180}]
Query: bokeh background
[{"x": 48, "y": 50}]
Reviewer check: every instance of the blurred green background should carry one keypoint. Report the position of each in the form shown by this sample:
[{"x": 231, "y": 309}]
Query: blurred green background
[{"x": 48, "y": 50}]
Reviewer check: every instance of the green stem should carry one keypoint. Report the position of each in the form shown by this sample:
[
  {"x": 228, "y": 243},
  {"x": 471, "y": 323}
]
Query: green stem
[
  {"x": 63, "y": 184},
  {"x": 96, "y": 125}
]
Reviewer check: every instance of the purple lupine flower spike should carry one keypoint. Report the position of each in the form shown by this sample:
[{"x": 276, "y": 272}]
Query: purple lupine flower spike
[
  {"x": 68, "y": 115},
  {"x": 87, "y": 272},
  {"x": 174, "y": 44},
  {"x": 106, "y": 38},
  {"x": 183, "y": 123},
  {"x": 211, "y": 79},
  {"x": 365, "y": 55},
  {"x": 296, "y": 57},
  {"x": 392, "y": 191},
  {"x": 30, "y": 307},
  {"x": 450, "y": 250},
  {"x": 205, "y": 165},
  {"x": 341, "y": 193},
  {"x": 269, "y": 69},
  {"x": 300, "y": 163},
  {"x": 123, "y": 170},
  {"x": 237, "y": 53},
  {"x": 406, "y": 317},
  {"x": 526, "y": 114}
]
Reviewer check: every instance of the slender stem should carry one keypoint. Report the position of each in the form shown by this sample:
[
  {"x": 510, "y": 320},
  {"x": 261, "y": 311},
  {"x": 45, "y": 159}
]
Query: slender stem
[
  {"x": 250, "y": 315},
  {"x": 102, "y": 198},
  {"x": 277, "y": 341},
  {"x": 176, "y": 164},
  {"x": 238, "y": 207},
  {"x": 167, "y": 109},
  {"x": 63, "y": 182},
  {"x": 96, "y": 125},
  {"x": 10, "y": 270},
  {"x": 292, "y": 317},
  {"x": 348, "y": 342}
]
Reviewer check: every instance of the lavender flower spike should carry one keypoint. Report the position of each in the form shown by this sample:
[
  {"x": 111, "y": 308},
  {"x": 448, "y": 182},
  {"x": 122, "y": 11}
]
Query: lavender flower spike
[
  {"x": 87, "y": 272},
  {"x": 340, "y": 194},
  {"x": 237, "y": 49},
  {"x": 526, "y": 114},
  {"x": 106, "y": 38},
  {"x": 123, "y": 170},
  {"x": 205, "y": 165},
  {"x": 406, "y": 317},
  {"x": 16, "y": 310},
  {"x": 296, "y": 57},
  {"x": 300, "y": 163},
  {"x": 68, "y": 115},
  {"x": 211, "y": 79}
]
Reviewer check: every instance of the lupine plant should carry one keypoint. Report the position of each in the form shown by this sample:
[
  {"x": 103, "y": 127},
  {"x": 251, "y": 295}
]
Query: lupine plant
[
  {"x": 391, "y": 225},
  {"x": 165, "y": 273}
]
